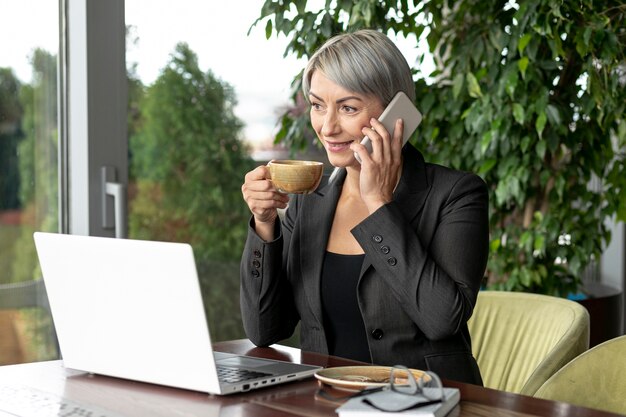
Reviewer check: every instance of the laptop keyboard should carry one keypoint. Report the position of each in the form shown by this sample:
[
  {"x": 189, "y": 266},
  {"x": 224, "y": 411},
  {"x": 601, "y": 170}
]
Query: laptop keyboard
[{"x": 234, "y": 375}]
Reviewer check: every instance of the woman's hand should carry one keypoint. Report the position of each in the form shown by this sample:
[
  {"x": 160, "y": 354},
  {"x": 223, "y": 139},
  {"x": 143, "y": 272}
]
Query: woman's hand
[
  {"x": 380, "y": 170},
  {"x": 263, "y": 200}
]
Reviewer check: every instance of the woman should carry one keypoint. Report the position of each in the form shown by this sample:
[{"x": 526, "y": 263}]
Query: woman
[{"x": 384, "y": 262}]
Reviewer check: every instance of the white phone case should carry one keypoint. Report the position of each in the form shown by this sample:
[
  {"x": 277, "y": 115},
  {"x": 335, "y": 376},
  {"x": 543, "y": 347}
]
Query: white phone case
[{"x": 400, "y": 107}]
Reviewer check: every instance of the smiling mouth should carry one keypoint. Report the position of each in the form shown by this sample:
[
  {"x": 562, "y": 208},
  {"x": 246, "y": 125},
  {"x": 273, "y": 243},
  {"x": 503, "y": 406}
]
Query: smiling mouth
[{"x": 338, "y": 146}]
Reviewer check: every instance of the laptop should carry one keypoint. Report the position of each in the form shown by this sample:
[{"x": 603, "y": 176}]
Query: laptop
[{"x": 133, "y": 309}]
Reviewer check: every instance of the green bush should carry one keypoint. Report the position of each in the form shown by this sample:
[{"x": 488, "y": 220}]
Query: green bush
[{"x": 530, "y": 96}]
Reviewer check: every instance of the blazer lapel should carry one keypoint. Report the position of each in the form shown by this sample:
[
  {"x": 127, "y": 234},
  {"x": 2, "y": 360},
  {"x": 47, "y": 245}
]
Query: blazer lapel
[
  {"x": 414, "y": 186},
  {"x": 317, "y": 218}
]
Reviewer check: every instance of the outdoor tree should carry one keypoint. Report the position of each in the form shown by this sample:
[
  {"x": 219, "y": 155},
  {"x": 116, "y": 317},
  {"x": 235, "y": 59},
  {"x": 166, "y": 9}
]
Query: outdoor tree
[
  {"x": 189, "y": 158},
  {"x": 188, "y": 162},
  {"x": 530, "y": 96},
  {"x": 37, "y": 162},
  {"x": 11, "y": 112},
  {"x": 32, "y": 116}
]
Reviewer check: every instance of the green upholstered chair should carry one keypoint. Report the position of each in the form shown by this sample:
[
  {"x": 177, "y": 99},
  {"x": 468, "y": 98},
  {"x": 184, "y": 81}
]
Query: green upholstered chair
[
  {"x": 520, "y": 339},
  {"x": 595, "y": 379}
]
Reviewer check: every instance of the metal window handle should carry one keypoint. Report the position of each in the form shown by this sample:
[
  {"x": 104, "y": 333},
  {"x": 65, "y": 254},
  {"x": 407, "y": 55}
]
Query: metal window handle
[{"x": 115, "y": 191}]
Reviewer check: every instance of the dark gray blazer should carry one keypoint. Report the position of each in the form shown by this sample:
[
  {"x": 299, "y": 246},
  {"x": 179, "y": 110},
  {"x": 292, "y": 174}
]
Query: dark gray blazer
[{"x": 425, "y": 256}]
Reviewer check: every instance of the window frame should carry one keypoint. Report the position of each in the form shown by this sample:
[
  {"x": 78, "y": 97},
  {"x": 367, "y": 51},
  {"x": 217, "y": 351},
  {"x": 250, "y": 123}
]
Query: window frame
[{"x": 93, "y": 117}]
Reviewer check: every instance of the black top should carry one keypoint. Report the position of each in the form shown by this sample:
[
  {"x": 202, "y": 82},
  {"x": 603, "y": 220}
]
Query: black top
[{"x": 343, "y": 322}]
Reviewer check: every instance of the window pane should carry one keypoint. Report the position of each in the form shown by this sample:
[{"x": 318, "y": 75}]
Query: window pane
[
  {"x": 28, "y": 174},
  {"x": 190, "y": 64}
]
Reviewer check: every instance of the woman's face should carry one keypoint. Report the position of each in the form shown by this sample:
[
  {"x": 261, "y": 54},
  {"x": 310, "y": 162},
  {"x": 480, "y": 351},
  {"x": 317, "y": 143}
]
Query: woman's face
[{"x": 338, "y": 116}]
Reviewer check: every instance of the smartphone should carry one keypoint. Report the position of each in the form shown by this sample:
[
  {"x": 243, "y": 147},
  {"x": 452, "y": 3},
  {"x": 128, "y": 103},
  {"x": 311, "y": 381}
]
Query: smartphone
[{"x": 400, "y": 107}]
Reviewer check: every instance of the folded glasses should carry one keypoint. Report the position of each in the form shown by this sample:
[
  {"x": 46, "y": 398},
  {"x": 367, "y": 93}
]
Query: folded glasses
[{"x": 404, "y": 391}]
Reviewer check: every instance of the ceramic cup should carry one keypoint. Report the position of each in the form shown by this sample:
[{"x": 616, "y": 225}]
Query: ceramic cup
[{"x": 295, "y": 177}]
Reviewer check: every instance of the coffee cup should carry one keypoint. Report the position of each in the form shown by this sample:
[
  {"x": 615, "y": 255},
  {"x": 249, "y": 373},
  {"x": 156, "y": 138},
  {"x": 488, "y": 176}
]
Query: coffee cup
[{"x": 295, "y": 177}]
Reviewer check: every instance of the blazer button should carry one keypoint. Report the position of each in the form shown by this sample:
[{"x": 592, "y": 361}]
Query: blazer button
[
  {"x": 385, "y": 249},
  {"x": 392, "y": 261},
  {"x": 377, "y": 334},
  {"x": 377, "y": 238},
  {"x": 257, "y": 253},
  {"x": 255, "y": 273},
  {"x": 256, "y": 263}
]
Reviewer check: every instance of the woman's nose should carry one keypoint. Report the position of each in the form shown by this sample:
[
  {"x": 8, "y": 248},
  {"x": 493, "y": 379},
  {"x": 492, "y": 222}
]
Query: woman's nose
[{"x": 331, "y": 124}]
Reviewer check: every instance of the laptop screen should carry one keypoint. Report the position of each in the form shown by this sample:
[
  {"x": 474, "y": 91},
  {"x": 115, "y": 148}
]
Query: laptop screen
[{"x": 128, "y": 308}]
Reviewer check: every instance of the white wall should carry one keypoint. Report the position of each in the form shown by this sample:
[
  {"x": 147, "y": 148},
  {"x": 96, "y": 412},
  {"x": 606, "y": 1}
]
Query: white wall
[{"x": 613, "y": 263}]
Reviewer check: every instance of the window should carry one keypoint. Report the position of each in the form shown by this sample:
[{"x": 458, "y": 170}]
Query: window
[
  {"x": 28, "y": 175},
  {"x": 202, "y": 94}
]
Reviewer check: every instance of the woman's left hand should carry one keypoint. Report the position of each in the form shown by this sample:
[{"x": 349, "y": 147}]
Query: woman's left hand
[{"x": 380, "y": 170}]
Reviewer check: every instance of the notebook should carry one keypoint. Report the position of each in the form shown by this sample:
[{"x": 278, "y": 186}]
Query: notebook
[{"x": 133, "y": 309}]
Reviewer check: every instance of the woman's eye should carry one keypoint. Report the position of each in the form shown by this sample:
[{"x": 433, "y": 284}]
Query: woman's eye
[
  {"x": 349, "y": 109},
  {"x": 316, "y": 106}
]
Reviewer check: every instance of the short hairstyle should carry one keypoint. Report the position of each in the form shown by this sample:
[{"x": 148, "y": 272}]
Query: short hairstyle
[{"x": 365, "y": 62}]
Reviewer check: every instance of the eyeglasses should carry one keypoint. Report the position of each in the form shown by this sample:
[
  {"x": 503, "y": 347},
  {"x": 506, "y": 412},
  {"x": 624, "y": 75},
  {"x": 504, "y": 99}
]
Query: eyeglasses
[
  {"x": 403, "y": 392},
  {"x": 409, "y": 391}
]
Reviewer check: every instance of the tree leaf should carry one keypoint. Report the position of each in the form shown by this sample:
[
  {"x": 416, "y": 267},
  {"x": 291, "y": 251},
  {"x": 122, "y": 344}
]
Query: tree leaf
[
  {"x": 621, "y": 212},
  {"x": 485, "y": 142},
  {"x": 526, "y": 277},
  {"x": 560, "y": 186},
  {"x": 540, "y": 123},
  {"x": 522, "y": 64},
  {"x": 501, "y": 193},
  {"x": 582, "y": 41},
  {"x": 540, "y": 149},
  {"x": 511, "y": 83},
  {"x": 267, "y": 9},
  {"x": 268, "y": 29},
  {"x": 457, "y": 85},
  {"x": 472, "y": 86},
  {"x": 518, "y": 113},
  {"x": 553, "y": 115},
  {"x": 521, "y": 45},
  {"x": 486, "y": 166},
  {"x": 300, "y": 6},
  {"x": 327, "y": 25}
]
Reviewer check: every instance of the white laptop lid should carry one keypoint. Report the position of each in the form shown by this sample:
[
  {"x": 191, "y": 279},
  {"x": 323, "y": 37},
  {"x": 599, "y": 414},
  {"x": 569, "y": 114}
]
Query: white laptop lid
[{"x": 141, "y": 312}]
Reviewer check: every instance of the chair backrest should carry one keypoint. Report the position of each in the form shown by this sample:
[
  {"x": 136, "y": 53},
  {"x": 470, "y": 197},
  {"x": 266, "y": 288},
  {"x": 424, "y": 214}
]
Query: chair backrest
[
  {"x": 521, "y": 339},
  {"x": 595, "y": 379}
]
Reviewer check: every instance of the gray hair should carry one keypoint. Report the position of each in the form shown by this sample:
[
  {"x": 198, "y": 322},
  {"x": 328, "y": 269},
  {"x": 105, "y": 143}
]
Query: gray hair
[{"x": 365, "y": 62}]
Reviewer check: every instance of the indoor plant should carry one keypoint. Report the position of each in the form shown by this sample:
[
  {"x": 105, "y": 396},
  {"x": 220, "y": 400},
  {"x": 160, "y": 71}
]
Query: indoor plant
[{"x": 530, "y": 96}]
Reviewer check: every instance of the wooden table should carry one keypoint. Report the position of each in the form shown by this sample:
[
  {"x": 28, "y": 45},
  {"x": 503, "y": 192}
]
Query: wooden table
[{"x": 128, "y": 398}]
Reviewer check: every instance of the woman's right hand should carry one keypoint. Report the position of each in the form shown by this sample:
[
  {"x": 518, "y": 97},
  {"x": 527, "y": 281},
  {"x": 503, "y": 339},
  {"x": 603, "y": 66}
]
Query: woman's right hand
[{"x": 263, "y": 199}]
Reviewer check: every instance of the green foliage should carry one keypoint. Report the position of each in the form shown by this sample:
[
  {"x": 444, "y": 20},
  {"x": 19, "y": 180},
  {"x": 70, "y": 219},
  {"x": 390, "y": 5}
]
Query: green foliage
[
  {"x": 189, "y": 161},
  {"x": 38, "y": 155},
  {"x": 38, "y": 152},
  {"x": 10, "y": 135},
  {"x": 530, "y": 96},
  {"x": 28, "y": 121}
]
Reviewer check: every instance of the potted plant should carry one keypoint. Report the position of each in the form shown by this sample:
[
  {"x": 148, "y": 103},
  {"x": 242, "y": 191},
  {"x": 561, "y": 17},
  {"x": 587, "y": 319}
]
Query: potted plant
[{"x": 530, "y": 96}]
